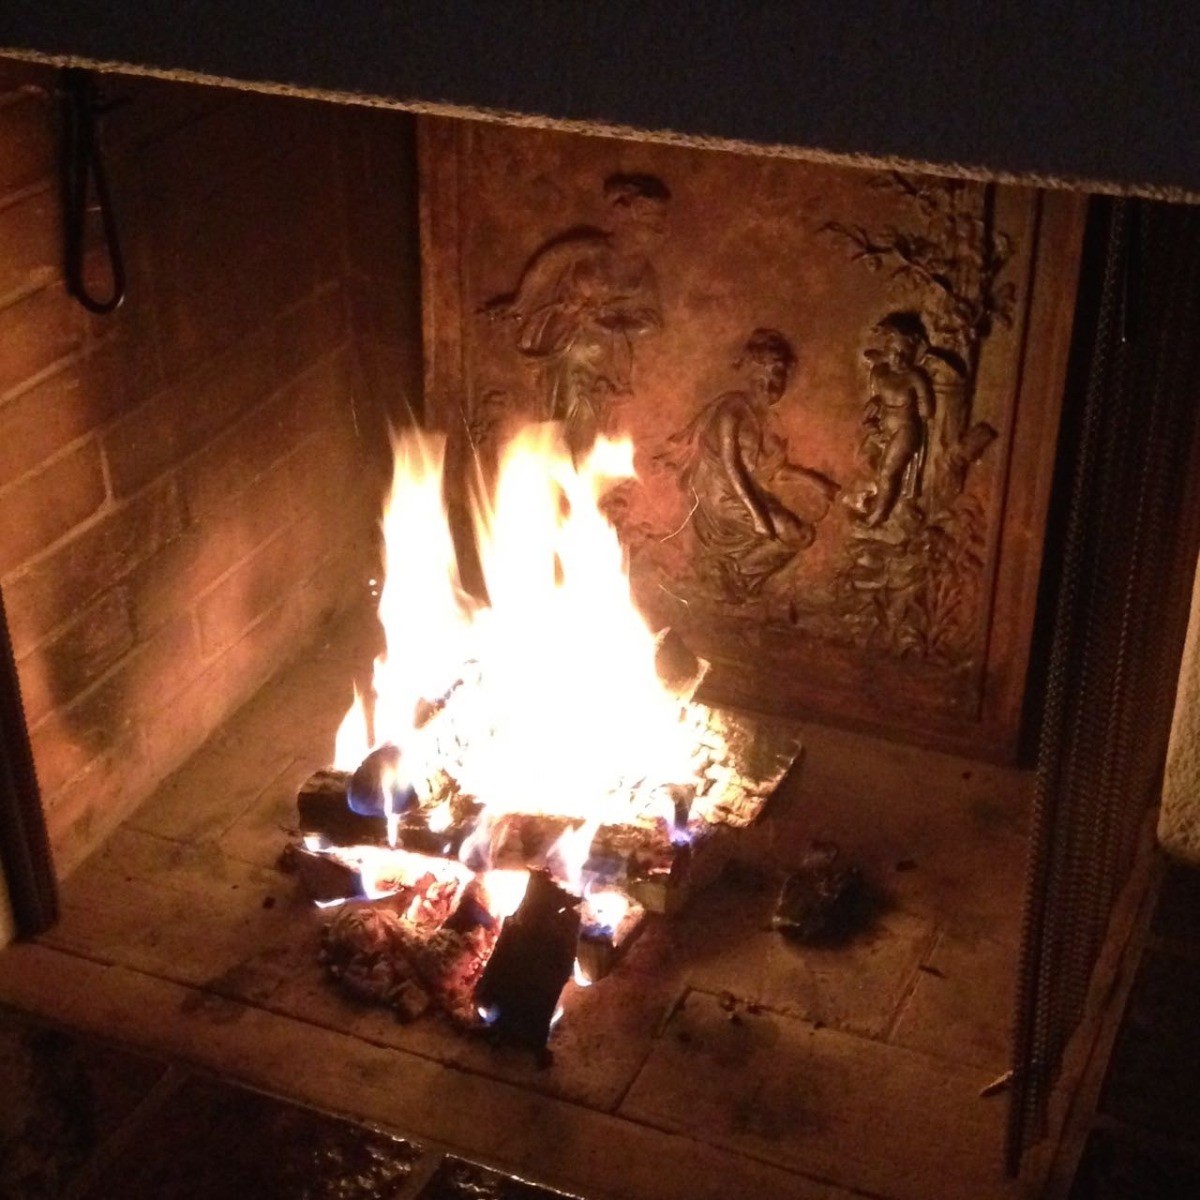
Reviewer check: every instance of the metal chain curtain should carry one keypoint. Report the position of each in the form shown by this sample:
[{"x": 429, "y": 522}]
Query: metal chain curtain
[{"x": 1128, "y": 553}]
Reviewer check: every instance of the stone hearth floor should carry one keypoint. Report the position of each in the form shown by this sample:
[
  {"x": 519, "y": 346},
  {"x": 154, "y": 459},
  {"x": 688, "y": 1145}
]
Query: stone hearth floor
[
  {"x": 719, "y": 1061},
  {"x": 86, "y": 1119}
]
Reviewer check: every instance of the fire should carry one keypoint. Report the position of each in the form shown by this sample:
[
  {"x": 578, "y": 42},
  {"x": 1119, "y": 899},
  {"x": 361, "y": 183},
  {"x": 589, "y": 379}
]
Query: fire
[
  {"x": 504, "y": 891},
  {"x": 353, "y": 741},
  {"x": 552, "y": 701},
  {"x": 425, "y": 613},
  {"x": 529, "y": 729},
  {"x": 505, "y": 731}
]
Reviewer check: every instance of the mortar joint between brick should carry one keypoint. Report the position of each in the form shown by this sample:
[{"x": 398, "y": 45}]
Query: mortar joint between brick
[
  {"x": 40, "y": 377},
  {"x": 26, "y": 192}
]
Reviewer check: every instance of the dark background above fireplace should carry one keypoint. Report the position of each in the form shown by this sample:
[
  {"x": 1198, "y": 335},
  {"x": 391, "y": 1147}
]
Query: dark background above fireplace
[{"x": 1103, "y": 97}]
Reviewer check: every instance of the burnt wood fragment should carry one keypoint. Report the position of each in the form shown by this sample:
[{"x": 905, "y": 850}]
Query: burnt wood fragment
[
  {"x": 323, "y": 877},
  {"x": 534, "y": 956},
  {"x": 821, "y": 899},
  {"x": 323, "y": 807}
]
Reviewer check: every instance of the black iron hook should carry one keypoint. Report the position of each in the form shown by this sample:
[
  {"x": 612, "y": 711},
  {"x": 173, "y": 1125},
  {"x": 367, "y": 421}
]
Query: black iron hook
[{"x": 82, "y": 171}]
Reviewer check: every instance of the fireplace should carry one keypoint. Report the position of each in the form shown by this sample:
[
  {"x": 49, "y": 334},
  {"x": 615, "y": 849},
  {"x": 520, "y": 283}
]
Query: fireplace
[{"x": 215, "y": 518}]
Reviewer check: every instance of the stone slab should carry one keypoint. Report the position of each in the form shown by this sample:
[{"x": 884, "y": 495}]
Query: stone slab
[
  {"x": 856, "y": 1112},
  {"x": 724, "y": 943},
  {"x": 956, "y": 1010}
]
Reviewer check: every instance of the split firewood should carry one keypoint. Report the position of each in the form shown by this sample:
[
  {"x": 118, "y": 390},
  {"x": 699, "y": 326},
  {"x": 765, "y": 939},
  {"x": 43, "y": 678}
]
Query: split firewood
[
  {"x": 425, "y": 887},
  {"x": 534, "y": 956},
  {"x": 323, "y": 807},
  {"x": 325, "y": 878},
  {"x": 525, "y": 839}
]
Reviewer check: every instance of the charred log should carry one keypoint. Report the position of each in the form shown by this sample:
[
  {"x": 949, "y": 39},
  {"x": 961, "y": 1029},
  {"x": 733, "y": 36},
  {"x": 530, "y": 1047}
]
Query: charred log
[
  {"x": 377, "y": 787},
  {"x": 323, "y": 807},
  {"x": 534, "y": 956}
]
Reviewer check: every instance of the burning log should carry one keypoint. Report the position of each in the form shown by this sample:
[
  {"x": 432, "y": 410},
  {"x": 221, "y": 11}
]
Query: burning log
[
  {"x": 324, "y": 877},
  {"x": 426, "y": 887},
  {"x": 376, "y": 788},
  {"x": 620, "y": 852},
  {"x": 323, "y": 807},
  {"x": 658, "y": 870},
  {"x": 534, "y": 956},
  {"x": 526, "y": 839}
]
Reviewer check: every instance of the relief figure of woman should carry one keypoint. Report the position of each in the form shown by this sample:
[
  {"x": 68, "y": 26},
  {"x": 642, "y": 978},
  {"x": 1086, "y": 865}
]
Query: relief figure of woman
[{"x": 583, "y": 300}]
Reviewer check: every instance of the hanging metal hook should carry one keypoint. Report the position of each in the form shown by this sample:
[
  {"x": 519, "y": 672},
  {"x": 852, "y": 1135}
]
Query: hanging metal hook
[{"x": 82, "y": 172}]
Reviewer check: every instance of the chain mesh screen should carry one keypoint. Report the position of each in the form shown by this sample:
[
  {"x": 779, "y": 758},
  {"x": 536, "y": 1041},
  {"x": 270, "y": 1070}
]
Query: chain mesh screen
[{"x": 1128, "y": 547}]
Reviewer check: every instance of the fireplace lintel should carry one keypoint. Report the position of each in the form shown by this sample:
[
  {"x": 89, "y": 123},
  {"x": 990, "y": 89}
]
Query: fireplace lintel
[{"x": 1094, "y": 104}]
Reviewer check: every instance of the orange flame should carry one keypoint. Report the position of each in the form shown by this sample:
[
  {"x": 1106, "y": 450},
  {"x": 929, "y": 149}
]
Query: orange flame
[{"x": 353, "y": 741}]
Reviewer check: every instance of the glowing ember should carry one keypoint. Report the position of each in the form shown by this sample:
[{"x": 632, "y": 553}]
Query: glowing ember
[{"x": 385, "y": 871}]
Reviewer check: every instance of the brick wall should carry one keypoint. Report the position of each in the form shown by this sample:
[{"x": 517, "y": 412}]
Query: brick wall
[{"x": 189, "y": 489}]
